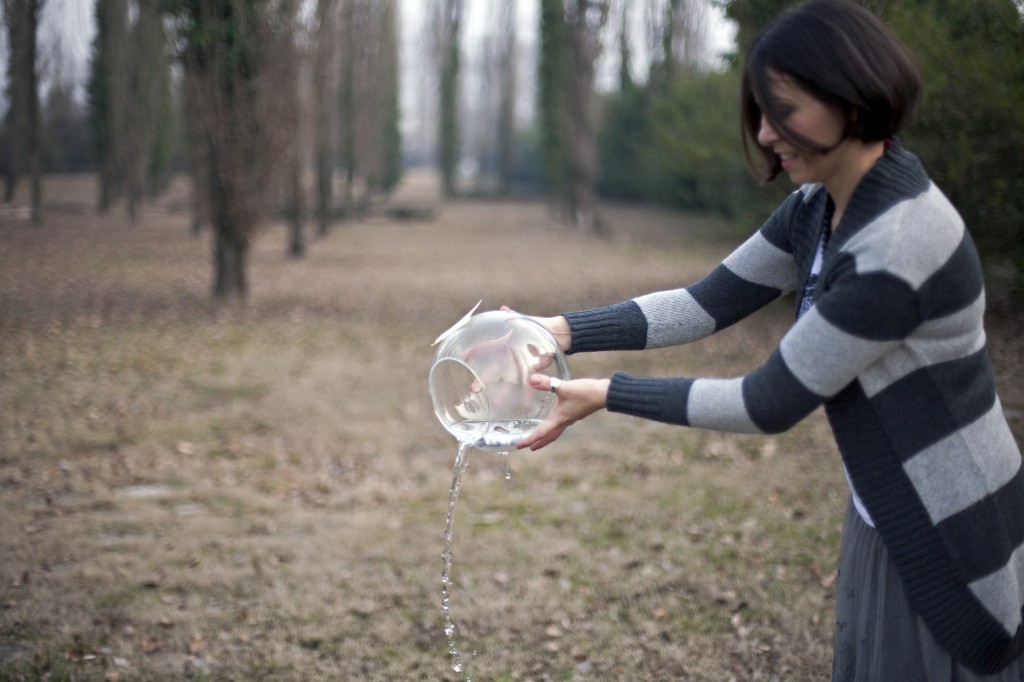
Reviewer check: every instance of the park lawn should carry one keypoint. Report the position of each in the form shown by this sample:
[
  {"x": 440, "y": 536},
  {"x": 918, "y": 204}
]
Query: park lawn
[{"x": 259, "y": 493}]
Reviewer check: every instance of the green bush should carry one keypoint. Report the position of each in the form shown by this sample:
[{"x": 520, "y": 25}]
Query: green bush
[{"x": 680, "y": 145}]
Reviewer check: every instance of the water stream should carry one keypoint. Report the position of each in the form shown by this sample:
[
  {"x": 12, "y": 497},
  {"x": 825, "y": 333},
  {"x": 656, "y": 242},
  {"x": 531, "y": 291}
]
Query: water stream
[{"x": 451, "y": 631}]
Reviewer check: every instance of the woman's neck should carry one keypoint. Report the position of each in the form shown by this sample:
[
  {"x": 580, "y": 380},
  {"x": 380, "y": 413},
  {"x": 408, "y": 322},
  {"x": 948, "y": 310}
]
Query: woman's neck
[{"x": 856, "y": 159}]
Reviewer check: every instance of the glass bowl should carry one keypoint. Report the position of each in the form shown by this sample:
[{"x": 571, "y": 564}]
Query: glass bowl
[{"x": 479, "y": 380}]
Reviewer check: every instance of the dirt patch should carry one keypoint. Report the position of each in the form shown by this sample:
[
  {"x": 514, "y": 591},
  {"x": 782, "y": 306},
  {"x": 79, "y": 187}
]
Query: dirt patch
[{"x": 190, "y": 492}]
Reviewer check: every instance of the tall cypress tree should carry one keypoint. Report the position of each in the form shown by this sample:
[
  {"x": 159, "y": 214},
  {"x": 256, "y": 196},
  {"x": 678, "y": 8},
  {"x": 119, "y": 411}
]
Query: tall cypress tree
[
  {"x": 448, "y": 139},
  {"x": 553, "y": 83}
]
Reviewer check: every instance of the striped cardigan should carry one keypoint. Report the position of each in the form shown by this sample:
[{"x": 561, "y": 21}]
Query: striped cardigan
[{"x": 894, "y": 348}]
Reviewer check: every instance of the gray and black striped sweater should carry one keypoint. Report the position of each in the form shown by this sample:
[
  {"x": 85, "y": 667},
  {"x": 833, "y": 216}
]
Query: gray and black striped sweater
[{"x": 894, "y": 348}]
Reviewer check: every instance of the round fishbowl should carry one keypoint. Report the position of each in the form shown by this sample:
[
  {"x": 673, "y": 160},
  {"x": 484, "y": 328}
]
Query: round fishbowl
[{"x": 479, "y": 381}]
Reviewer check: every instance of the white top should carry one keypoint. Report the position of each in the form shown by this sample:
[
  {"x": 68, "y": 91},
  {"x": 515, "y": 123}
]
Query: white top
[{"x": 806, "y": 301}]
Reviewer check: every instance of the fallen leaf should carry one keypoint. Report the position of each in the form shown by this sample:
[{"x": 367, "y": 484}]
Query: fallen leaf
[
  {"x": 150, "y": 645},
  {"x": 553, "y": 630},
  {"x": 196, "y": 645}
]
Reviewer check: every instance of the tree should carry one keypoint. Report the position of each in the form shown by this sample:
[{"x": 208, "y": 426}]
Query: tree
[
  {"x": 23, "y": 114},
  {"x": 66, "y": 144},
  {"x": 507, "y": 62},
  {"x": 750, "y": 17},
  {"x": 378, "y": 141},
  {"x": 553, "y": 86},
  {"x": 570, "y": 44},
  {"x": 447, "y": 30},
  {"x": 146, "y": 119},
  {"x": 108, "y": 97},
  {"x": 325, "y": 104},
  {"x": 237, "y": 54},
  {"x": 370, "y": 141},
  {"x": 297, "y": 124}
]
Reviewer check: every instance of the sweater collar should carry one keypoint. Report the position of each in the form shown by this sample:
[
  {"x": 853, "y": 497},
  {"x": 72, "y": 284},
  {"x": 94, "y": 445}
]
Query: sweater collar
[{"x": 896, "y": 176}]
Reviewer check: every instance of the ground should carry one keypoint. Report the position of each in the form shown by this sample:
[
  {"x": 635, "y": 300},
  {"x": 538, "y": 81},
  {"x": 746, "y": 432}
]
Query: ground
[{"x": 196, "y": 492}]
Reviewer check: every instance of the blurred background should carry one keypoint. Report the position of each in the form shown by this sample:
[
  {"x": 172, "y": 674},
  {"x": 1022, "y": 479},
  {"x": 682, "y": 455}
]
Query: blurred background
[{"x": 317, "y": 108}]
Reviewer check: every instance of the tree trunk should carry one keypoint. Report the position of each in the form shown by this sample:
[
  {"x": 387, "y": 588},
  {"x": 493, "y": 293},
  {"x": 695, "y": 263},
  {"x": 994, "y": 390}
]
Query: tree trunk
[
  {"x": 239, "y": 58},
  {"x": 448, "y": 139},
  {"x": 297, "y": 237},
  {"x": 230, "y": 256},
  {"x": 198, "y": 205},
  {"x": 582, "y": 187},
  {"x": 348, "y": 102},
  {"x": 108, "y": 98},
  {"x": 34, "y": 143},
  {"x": 23, "y": 124},
  {"x": 506, "y": 111},
  {"x": 324, "y": 100}
]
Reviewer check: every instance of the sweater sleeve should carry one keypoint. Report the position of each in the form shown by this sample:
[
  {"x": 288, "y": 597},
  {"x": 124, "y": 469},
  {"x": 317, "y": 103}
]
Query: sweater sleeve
[
  {"x": 755, "y": 274},
  {"x": 876, "y": 292},
  {"x": 823, "y": 352}
]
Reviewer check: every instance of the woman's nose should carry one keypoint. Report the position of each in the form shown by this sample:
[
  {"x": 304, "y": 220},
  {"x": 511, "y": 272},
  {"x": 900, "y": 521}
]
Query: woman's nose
[{"x": 766, "y": 133}]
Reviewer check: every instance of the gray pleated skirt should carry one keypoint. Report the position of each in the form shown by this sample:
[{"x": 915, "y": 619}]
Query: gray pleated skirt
[{"x": 878, "y": 637}]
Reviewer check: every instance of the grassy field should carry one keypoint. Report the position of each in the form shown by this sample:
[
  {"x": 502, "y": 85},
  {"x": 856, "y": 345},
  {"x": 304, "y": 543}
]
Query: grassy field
[{"x": 188, "y": 492}]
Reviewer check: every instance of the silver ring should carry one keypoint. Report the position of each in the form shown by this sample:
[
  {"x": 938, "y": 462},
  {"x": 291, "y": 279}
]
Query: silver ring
[{"x": 555, "y": 383}]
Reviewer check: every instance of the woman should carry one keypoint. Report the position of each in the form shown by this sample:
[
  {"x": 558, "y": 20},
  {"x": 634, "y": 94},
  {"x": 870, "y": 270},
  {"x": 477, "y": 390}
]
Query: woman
[{"x": 888, "y": 338}]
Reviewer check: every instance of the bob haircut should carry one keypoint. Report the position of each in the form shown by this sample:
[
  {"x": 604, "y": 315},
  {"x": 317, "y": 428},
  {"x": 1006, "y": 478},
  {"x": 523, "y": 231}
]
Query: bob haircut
[{"x": 840, "y": 53}]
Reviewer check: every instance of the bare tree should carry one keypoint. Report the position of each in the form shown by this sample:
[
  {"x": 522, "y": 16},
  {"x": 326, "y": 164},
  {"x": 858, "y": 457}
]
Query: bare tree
[
  {"x": 447, "y": 35},
  {"x": 369, "y": 144},
  {"x": 351, "y": 15},
  {"x": 141, "y": 107},
  {"x": 678, "y": 36},
  {"x": 297, "y": 121},
  {"x": 507, "y": 63},
  {"x": 108, "y": 98},
  {"x": 325, "y": 104},
  {"x": 238, "y": 54},
  {"x": 376, "y": 88},
  {"x": 23, "y": 117},
  {"x": 586, "y": 19}
]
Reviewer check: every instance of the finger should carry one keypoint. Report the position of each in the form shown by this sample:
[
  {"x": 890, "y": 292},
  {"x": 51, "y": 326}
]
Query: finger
[
  {"x": 541, "y": 382},
  {"x": 533, "y": 437},
  {"x": 547, "y": 439},
  {"x": 545, "y": 434}
]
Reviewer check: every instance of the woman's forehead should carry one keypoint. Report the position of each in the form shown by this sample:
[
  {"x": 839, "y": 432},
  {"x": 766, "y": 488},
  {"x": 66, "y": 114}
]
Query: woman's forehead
[{"x": 779, "y": 84}]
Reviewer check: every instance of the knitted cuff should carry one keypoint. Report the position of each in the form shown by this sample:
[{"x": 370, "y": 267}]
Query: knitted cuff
[
  {"x": 617, "y": 327},
  {"x": 662, "y": 400}
]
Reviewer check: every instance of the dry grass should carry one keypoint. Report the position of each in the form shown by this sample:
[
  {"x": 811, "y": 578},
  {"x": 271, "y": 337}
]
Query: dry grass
[{"x": 259, "y": 494}]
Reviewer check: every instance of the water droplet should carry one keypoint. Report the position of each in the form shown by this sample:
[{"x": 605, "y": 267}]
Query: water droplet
[{"x": 508, "y": 472}]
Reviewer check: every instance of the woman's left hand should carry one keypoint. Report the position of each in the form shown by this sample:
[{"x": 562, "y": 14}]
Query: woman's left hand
[{"x": 577, "y": 399}]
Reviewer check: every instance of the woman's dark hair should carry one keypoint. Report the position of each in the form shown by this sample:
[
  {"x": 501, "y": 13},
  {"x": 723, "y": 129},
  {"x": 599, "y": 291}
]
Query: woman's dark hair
[{"x": 840, "y": 53}]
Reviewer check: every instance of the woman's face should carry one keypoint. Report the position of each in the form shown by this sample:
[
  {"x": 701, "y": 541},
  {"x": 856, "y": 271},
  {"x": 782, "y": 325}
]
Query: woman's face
[{"x": 811, "y": 118}]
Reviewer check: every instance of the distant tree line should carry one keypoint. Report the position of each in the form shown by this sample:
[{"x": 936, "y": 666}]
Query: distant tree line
[
  {"x": 259, "y": 102},
  {"x": 276, "y": 105}
]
